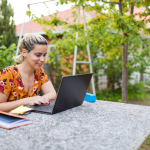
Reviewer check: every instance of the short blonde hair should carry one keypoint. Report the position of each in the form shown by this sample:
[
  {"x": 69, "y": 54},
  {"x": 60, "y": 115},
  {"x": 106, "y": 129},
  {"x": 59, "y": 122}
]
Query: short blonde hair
[{"x": 28, "y": 42}]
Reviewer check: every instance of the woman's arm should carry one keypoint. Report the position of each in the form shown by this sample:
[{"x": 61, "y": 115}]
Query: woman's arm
[
  {"x": 49, "y": 91},
  {"x": 8, "y": 106}
]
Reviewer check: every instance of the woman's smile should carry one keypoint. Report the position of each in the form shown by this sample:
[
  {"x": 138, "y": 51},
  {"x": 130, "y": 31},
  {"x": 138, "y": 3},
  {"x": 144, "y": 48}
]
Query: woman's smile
[{"x": 40, "y": 64}]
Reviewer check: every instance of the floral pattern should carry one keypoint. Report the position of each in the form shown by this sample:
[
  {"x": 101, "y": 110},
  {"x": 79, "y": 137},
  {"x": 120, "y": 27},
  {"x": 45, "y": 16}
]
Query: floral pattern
[
  {"x": 15, "y": 70},
  {"x": 3, "y": 71},
  {"x": 19, "y": 83},
  {"x": 42, "y": 75},
  {"x": 11, "y": 82},
  {"x": 1, "y": 89},
  {"x": 8, "y": 83},
  {"x": 2, "y": 83},
  {"x": 36, "y": 79}
]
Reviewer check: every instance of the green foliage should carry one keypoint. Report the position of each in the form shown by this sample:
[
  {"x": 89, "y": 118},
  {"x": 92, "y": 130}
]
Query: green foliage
[
  {"x": 54, "y": 68},
  {"x": 108, "y": 95},
  {"x": 107, "y": 33},
  {"x": 135, "y": 92},
  {"x": 142, "y": 57},
  {"x": 7, "y": 26},
  {"x": 6, "y": 55}
]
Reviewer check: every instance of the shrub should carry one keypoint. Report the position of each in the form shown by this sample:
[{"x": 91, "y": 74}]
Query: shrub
[
  {"x": 135, "y": 91},
  {"x": 6, "y": 55}
]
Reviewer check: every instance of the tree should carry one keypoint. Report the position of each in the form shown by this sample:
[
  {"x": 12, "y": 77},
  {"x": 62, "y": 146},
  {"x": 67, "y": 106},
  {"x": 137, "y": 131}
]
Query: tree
[
  {"x": 143, "y": 58},
  {"x": 6, "y": 55},
  {"x": 7, "y": 26},
  {"x": 128, "y": 27},
  {"x": 126, "y": 24},
  {"x": 114, "y": 33}
]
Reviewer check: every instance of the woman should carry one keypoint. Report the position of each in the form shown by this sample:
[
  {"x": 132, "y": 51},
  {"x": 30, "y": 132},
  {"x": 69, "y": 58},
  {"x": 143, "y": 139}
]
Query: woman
[{"x": 21, "y": 84}]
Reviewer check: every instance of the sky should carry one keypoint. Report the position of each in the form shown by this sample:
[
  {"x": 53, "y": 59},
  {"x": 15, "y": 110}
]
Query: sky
[{"x": 20, "y": 7}]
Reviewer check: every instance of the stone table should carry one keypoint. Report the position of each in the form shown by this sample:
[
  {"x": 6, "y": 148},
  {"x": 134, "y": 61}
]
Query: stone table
[{"x": 102, "y": 125}]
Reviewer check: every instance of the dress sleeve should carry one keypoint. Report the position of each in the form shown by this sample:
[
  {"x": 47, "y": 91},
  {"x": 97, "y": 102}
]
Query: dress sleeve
[
  {"x": 43, "y": 76},
  {"x": 6, "y": 81}
]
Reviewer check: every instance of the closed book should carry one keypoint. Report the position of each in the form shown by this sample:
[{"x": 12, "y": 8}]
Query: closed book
[{"x": 9, "y": 121}]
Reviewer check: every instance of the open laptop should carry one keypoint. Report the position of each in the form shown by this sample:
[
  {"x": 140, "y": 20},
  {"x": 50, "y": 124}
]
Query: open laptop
[{"x": 71, "y": 93}]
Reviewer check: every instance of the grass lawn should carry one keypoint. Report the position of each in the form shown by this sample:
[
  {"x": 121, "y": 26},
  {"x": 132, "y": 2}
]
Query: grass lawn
[
  {"x": 146, "y": 144},
  {"x": 143, "y": 101}
]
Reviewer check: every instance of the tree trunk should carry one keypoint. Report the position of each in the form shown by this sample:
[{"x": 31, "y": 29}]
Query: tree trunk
[
  {"x": 124, "y": 73},
  {"x": 141, "y": 77},
  {"x": 96, "y": 81},
  {"x": 113, "y": 87},
  {"x": 108, "y": 82}
]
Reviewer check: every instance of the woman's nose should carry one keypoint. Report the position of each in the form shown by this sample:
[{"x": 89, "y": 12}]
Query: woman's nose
[{"x": 42, "y": 58}]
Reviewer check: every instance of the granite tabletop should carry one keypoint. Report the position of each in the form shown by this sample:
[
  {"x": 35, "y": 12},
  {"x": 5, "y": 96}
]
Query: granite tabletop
[{"x": 102, "y": 125}]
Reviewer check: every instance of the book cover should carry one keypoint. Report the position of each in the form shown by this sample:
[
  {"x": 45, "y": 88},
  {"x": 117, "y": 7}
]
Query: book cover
[{"x": 9, "y": 121}]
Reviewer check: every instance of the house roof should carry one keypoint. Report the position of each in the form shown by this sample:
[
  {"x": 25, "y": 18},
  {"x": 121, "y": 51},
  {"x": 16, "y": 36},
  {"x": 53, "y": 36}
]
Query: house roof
[
  {"x": 37, "y": 28},
  {"x": 137, "y": 17}
]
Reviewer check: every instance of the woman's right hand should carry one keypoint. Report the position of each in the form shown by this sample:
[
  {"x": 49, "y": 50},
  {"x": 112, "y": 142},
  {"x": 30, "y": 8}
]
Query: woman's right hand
[{"x": 35, "y": 100}]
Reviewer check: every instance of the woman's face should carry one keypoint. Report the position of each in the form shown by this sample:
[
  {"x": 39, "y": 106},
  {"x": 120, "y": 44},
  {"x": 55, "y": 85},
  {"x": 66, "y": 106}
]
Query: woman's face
[{"x": 36, "y": 57}]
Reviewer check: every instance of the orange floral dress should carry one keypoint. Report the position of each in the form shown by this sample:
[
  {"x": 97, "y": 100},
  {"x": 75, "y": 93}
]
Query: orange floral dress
[{"x": 12, "y": 85}]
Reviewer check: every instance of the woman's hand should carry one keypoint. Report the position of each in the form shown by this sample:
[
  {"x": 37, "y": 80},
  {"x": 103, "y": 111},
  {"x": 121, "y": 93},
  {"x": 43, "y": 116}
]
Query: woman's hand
[
  {"x": 8, "y": 106},
  {"x": 35, "y": 100}
]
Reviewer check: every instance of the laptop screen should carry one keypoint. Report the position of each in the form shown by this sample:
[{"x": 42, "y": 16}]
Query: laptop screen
[{"x": 71, "y": 92}]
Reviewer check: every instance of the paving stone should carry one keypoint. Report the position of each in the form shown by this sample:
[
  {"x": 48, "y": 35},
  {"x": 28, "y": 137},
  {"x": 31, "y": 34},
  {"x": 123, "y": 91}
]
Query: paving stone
[{"x": 102, "y": 125}]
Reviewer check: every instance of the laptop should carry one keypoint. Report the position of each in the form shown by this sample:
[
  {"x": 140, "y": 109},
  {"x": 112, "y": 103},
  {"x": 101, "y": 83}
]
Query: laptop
[{"x": 71, "y": 93}]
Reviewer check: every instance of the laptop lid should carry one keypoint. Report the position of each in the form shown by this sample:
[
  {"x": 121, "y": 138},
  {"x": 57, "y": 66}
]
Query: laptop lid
[{"x": 71, "y": 93}]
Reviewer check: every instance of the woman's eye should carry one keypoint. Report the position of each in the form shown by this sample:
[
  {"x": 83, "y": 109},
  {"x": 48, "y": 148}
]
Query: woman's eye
[{"x": 38, "y": 55}]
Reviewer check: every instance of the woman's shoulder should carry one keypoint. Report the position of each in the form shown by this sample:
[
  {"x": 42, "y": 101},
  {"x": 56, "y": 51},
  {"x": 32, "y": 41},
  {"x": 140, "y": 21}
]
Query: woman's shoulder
[
  {"x": 9, "y": 67},
  {"x": 7, "y": 70}
]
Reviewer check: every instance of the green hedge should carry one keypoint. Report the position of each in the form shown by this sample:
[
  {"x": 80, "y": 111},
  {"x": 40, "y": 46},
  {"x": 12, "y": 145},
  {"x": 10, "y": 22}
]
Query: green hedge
[{"x": 135, "y": 92}]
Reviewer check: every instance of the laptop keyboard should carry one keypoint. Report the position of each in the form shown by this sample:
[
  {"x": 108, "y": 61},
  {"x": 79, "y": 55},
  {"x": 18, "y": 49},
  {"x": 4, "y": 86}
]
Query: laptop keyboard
[
  {"x": 43, "y": 107},
  {"x": 46, "y": 108}
]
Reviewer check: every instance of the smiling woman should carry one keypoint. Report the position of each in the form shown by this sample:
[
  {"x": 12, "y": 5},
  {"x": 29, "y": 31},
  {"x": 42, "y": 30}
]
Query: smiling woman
[{"x": 21, "y": 84}]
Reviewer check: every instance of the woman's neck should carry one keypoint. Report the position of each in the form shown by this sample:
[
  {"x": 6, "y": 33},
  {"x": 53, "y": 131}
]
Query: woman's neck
[{"x": 26, "y": 69}]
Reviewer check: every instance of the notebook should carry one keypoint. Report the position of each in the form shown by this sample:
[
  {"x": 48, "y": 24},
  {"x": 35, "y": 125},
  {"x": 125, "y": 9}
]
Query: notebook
[
  {"x": 9, "y": 121},
  {"x": 20, "y": 110},
  {"x": 71, "y": 93}
]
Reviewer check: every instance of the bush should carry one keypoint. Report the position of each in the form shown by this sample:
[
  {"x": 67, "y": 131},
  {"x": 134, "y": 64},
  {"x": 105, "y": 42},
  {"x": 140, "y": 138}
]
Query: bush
[
  {"x": 6, "y": 56},
  {"x": 135, "y": 91}
]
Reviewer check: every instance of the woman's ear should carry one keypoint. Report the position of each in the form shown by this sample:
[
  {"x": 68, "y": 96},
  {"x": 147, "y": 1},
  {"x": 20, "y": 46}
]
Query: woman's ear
[{"x": 24, "y": 52}]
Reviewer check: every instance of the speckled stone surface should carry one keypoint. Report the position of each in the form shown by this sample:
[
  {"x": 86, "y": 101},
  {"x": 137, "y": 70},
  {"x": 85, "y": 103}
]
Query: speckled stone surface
[{"x": 101, "y": 125}]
